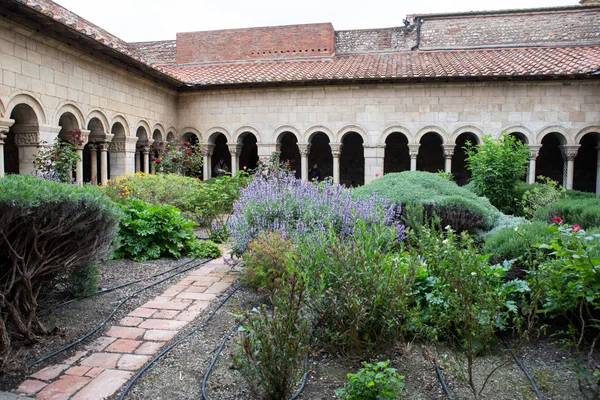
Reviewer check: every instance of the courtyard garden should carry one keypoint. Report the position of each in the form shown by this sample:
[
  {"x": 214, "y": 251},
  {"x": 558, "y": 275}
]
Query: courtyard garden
[{"x": 409, "y": 286}]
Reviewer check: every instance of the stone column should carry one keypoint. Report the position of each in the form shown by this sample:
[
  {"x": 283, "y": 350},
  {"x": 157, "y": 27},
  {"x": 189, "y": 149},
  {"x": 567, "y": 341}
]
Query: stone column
[
  {"x": 235, "y": 150},
  {"x": 27, "y": 139},
  {"x": 569, "y": 153},
  {"x": 207, "y": 150},
  {"x": 448, "y": 153},
  {"x": 336, "y": 152},
  {"x": 85, "y": 134},
  {"x": 413, "y": 152},
  {"x": 146, "y": 152},
  {"x": 374, "y": 157},
  {"x": 93, "y": 148},
  {"x": 103, "y": 147},
  {"x": 2, "y": 137},
  {"x": 138, "y": 162},
  {"x": 304, "y": 152},
  {"x": 534, "y": 152}
]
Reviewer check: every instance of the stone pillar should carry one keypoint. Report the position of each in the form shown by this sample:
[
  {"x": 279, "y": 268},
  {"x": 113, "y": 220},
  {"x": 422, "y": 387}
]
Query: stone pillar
[
  {"x": 266, "y": 149},
  {"x": 413, "y": 152},
  {"x": 103, "y": 147},
  {"x": 598, "y": 172},
  {"x": 93, "y": 148},
  {"x": 85, "y": 134},
  {"x": 304, "y": 152},
  {"x": 146, "y": 152},
  {"x": 374, "y": 157},
  {"x": 27, "y": 139},
  {"x": 207, "y": 150},
  {"x": 235, "y": 150},
  {"x": 5, "y": 125},
  {"x": 569, "y": 153},
  {"x": 138, "y": 162},
  {"x": 448, "y": 153},
  {"x": 534, "y": 152},
  {"x": 336, "y": 151}
]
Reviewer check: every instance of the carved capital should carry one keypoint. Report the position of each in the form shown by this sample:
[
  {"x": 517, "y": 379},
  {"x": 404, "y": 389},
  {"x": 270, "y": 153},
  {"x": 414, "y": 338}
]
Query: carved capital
[
  {"x": 336, "y": 149},
  {"x": 207, "y": 149},
  {"x": 117, "y": 147},
  {"x": 569, "y": 152},
  {"x": 2, "y": 137},
  {"x": 304, "y": 149},
  {"x": 534, "y": 151},
  {"x": 92, "y": 147},
  {"x": 146, "y": 149},
  {"x": 27, "y": 139},
  {"x": 448, "y": 150},
  {"x": 235, "y": 149},
  {"x": 413, "y": 150},
  {"x": 103, "y": 146}
]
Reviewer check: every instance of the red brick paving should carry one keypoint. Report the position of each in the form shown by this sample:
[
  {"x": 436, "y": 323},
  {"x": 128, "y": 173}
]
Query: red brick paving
[{"x": 111, "y": 360}]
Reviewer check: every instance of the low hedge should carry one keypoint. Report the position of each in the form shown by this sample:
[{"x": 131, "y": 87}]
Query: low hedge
[
  {"x": 507, "y": 243},
  {"x": 454, "y": 205},
  {"x": 582, "y": 211}
]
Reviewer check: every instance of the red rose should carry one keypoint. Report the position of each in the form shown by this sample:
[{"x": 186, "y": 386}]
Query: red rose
[
  {"x": 186, "y": 144},
  {"x": 557, "y": 220},
  {"x": 576, "y": 227},
  {"x": 157, "y": 162},
  {"x": 174, "y": 159}
]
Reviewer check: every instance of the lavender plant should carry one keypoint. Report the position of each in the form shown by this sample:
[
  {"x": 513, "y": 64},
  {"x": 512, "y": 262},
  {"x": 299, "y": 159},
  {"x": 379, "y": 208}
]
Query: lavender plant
[{"x": 280, "y": 202}]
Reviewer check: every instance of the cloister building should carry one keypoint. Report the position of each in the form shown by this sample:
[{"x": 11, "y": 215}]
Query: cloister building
[{"x": 360, "y": 103}]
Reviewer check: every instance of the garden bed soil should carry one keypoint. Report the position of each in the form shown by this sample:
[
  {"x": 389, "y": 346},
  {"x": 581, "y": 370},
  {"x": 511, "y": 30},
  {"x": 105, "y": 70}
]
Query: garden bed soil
[{"x": 179, "y": 374}]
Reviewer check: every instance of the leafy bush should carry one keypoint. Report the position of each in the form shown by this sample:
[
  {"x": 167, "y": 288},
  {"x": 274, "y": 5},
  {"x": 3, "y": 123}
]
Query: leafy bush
[
  {"x": 266, "y": 261},
  {"x": 507, "y": 243},
  {"x": 576, "y": 194},
  {"x": 46, "y": 229},
  {"x": 497, "y": 166},
  {"x": 455, "y": 206},
  {"x": 183, "y": 160},
  {"x": 358, "y": 287},
  {"x": 373, "y": 382},
  {"x": 585, "y": 212},
  {"x": 275, "y": 343},
  {"x": 84, "y": 280},
  {"x": 504, "y": 221},
  {"x": 205, "y": 249},
  {"x": 282, "y": 203},
  {"x": 147, "y": 232},
  {"x": 539, "y": 195},
  {"x": 57, "y": 162}
]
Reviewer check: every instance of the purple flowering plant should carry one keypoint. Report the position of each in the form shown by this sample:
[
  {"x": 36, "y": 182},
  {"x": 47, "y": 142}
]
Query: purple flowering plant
[{"x": 279, "y": 202}]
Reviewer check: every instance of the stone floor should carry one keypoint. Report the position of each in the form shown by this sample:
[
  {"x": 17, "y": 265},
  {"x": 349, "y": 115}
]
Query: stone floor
[{"x": 105, "y": 365}]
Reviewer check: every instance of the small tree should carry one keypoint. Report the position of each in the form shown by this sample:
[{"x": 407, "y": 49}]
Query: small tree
[
  {"x": 56, "y": 162},
  {"x": 185, "y": 160},
  {"x": 497, "y": 165}
]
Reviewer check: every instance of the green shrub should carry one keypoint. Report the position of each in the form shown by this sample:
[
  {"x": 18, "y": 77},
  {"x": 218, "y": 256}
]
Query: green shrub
[
  {"x": 454, "y": 205},
  {"x": 205, "y": 249},
  {"x": 373, "y": 382},
  {"x": 497, "y": 166},
  {"x": 266, "y": 261},
  {"x": 183, "y": 160},
  {"x": 576, "y": 194},
  {"x": 504, "y": 221},
  {"x": 148, "y": 232},
  {"x": 585, "y": 212},
  {"x": 358, "y": 287},
  {"x": 275, "y": 343},
  {"x": 539, "y": 195},
  {"x": 507, "y": 244},
  {"x": 47, "y": 229},
  {"x": 84, "y": 280}
]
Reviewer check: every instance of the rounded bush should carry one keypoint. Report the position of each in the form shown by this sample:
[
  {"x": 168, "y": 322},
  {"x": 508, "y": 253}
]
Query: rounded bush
[
  {"x": 507, "y": 243},
  {"x": 582, "y": 211}
]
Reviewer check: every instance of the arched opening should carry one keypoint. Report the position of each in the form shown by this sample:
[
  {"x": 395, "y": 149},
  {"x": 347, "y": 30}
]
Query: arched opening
[
  {"x": 249, "y": 152},
  {"x": 431, "y": 153},
  {"x": 221, "y": 157},
  {"x": 68, "y": 124},
  {"x": 289, "y": 152},
  {"x": 91, "y": 171},
  {"x": 320, "y": 154},
  {"x": 191, "y": 138},
  {"x": 352, "y": 160},
  {"x": 550, "y": 161},
  {"x": 586, "y": 164},
  {"x": 461, "y": 174},
  {"x": 141, "y": 145},
  {"x": 170, "y": 137},
  {"x": 397, "y": 158},
  {"x": 116, "y": 156},
  {"x": 26, "y": 122},
  {"x": 157, "y": 148},
  {"x": 519, "y": 136}
]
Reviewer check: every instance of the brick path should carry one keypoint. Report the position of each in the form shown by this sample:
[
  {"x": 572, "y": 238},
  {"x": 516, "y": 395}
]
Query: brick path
[{"x": 106, "y": 364}]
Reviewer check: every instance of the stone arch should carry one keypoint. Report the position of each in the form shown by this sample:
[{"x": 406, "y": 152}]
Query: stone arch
[
  {"x": 143, "y": 124},
  {"x": 242, "y": 132},
  {"x": 188, "y": 132},
  {"x": 550, "y": 161},
  {"x": 31, "y": 101},
  {"x": 431, "y": 152},
  {"x": 171, "y": 136},
  {"x": 308, "y": 135},
  {"x": 2, "y": 110},
  {"x": 586, "y": 165},
  {"x": 458, "y": 165},
  {"x": 475, "y": 131},
  {"x": 352, "y": 158},
  {"x": 157, "y": 136},
  {"x": 563, "y": 134},
  {"x": 354, "y": 128},
  {"x": 122, "y": 123},
  {"x": 320, "y": 152},
  {"x": 100, "y": 116},
  {"x": 220, "y": 160},
  {"x": 431, "y": 128},
  {"x": 585, "y": 131},
  {"x": 522, "y": 132},
  {"x": 394, "y": 129},
  {"x": 24, "y": 131},
  {"x": 158, "y": 127},
  {"x": 69, "y": 107},
  {"x": 289, "y": 151},
  {"x": 211, "y": 134},
  {"x": 286, "y": 128}
]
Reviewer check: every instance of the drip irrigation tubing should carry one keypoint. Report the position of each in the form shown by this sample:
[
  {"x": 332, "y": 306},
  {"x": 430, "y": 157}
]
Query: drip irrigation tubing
[
  {"x": 121, "y": 302},
  {"x": 218, "y": 352},
  {"x": 529, "y": 377},
  {"x": 441, "y": 377},
  {"x": 588, "y": 377},
  {"x": 172, "y": 345},
  {"x": 122, "y": 285}
]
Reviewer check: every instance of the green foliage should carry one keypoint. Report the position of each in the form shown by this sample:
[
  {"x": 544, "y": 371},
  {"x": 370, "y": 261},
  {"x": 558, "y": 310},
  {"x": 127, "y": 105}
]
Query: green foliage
[
  {"x": 275, "y": 342},
  {"x": 497, "y": 166},
  {"x": 57, "y": 162},
  {"x": 183, "y": 160},
  {"x": 507, "y": 244},
  {"x": 455, "y": 206},
  {"x": 373, "y": 382},
  {"x": 359, "y": 288},
  {"x": 576, "y": 194},
  {"x": 503, "y": 222},
  {"x": 84, "y": 280},
  {"x": 540, "y": 195},
  {"x": 266, "y": 261},
  {"x": 585, "y": 212},
  {"x": 205, "y": 249},
  {"x": 149, "y": 231}
]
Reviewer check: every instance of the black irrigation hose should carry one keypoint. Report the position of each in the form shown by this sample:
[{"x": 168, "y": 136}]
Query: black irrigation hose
[
  {"x": 170, "y": 347},
  {"x": 529, "y": 377},
  {"x": 218, "y": 352},
  {"x": 121, "y": 302},
  {"x": 122, "y": 285},
  {"x": 582, "y": 367},
  {"x": 441, "y": 377}
]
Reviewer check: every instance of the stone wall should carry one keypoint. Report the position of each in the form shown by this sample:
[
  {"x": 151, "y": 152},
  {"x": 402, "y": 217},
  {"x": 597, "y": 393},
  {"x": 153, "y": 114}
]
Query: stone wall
[
  {"x": 374, "y": 40},
  {"x": 161, "y": 52}
]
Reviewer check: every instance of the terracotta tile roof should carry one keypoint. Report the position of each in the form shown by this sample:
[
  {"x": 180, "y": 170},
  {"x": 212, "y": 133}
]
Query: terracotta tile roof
[{"x": 513, "y": 62}]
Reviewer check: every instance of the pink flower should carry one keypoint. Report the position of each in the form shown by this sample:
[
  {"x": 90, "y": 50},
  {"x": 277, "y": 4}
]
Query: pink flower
[
  {"x": 576, "y": 227},
  {"x": 557, "y": 220},
  {"x": 376, "y": 175},
  {"x": 245, "y": 167}
]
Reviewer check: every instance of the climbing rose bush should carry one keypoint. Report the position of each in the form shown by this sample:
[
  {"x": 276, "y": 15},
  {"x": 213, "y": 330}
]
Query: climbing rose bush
[{"x": 279, "y": 202}]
